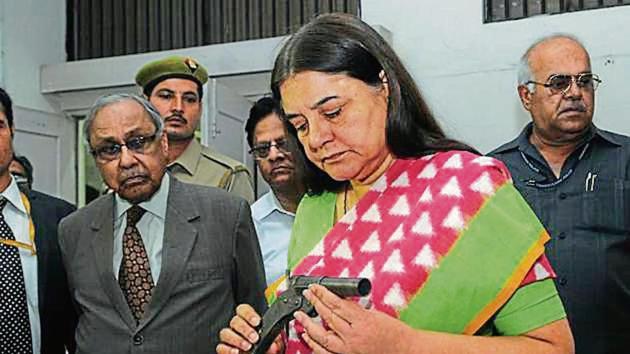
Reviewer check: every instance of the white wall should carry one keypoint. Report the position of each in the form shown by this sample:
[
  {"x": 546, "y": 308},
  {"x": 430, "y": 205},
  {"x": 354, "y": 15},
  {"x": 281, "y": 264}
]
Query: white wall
[
  {"x": 466, "y": 69},
  {"x": 32, "y": 34}
]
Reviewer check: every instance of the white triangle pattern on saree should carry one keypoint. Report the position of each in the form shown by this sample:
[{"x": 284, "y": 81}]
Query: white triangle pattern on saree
[
  {"x": 426, "y": 197},
  {"x": 402, "y": 181},
  {"x": 368, "y": 271},
  {"x": 394, "y": 263},
  {"x": 484, "y": 161},
  {"x": 350, "y": 217},
  {"x": 395, "y": 297},
  {"x": 373, "y": 243},
  {"x": 425, "y": 258},
  {"x": 454, "y": 162},
  {"x": 319, "y": 249},
  {"x": 372, "y": 215},
  {"x": 380, "y": 185},
  {"x": 401, "y": 207},
  {"x": 540, "y": 272},
  {"x": 454, "y": 220},
  {"x": 423, "y": 226},
  {"x": 397, "y": 235},
  {"x": 451, "y": 188},
  {"x": 343, "y": 251},
  {"x": 483, "y": 184},
  {"x": 428, "y": 172},
  {"x": 345, "y": 273}
]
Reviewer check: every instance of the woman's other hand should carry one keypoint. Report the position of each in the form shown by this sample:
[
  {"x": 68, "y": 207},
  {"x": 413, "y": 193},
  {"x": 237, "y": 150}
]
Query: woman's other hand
[
  {"x": 353, "y": 329},
  {"x": 242, "y": 334}
]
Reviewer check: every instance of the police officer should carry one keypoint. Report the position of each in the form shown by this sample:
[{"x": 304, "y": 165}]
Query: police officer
[{"x": 175, "y": 86}]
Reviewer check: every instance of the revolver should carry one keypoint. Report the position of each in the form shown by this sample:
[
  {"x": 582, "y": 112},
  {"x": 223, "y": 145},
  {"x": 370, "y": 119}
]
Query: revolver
[{"x": 291, "y": 300}]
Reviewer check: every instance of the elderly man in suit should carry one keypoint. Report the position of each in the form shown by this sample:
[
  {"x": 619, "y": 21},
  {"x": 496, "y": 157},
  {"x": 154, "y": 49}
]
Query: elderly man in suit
[
  {"x": 36, "y": 313},
  {"x": 158, "y": 265}
]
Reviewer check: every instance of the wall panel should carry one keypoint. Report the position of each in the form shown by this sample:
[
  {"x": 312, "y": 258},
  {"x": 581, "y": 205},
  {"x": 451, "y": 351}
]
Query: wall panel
[{"x": 105, "y": 28}]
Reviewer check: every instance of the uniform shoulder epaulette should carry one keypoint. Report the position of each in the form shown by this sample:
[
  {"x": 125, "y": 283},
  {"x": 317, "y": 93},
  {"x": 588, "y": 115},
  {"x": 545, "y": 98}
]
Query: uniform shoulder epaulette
[{"x": 228, "y": 162}]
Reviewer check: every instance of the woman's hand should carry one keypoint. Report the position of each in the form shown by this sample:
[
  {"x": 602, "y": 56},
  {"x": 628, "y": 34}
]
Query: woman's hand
[
  {"x": 242, "y": 334},
  {"x": 353, "y": 329}
]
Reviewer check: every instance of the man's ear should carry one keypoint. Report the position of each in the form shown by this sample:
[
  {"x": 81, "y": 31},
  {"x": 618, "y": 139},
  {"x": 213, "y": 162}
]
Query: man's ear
[
  {"x": 525, "y": 95},
  {"x": 141, "y": 93},
  {"x": 12, "y": 132},
  {"x": 164, "y": 143}
]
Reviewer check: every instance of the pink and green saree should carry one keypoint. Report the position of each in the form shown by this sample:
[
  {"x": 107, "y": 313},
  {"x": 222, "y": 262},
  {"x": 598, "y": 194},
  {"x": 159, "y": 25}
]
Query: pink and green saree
[{"x": 445, "y": 239}]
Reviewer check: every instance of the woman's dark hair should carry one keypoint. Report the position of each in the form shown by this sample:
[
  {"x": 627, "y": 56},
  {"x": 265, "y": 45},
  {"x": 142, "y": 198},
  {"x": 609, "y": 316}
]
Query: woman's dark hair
[{"x": 343, "y": 44}]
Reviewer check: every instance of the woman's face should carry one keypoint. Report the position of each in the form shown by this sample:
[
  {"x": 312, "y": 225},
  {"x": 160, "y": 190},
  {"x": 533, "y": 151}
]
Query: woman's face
[{"x": 340, "y": 121}]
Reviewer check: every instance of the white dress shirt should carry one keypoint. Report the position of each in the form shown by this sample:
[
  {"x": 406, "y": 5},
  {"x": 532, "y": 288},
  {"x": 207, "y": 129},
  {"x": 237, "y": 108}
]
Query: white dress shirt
[
  {"x": 18, "y": 220},
  {"x": 273, "y": 225},
  {"x": 150, "y": 226}
]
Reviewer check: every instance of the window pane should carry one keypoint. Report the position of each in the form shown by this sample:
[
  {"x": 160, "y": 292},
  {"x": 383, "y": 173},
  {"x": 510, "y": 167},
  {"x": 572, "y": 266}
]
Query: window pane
[
  {"x": 497, "y": 12},
  {"x": 553, "y": 6},
  {"x": 516, "y": 9},
  {"x": 534, "y": 7}
]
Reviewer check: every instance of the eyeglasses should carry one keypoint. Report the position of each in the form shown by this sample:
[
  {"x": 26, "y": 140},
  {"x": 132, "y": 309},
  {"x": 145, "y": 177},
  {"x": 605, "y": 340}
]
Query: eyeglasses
[
  {"x": 261, "y": 151},
  {"x": 136, "y": 144},
  {"x": 561, "y": 83}
]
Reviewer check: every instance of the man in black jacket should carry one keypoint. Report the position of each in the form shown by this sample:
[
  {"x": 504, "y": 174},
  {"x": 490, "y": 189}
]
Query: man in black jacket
[{"x": 36, "y": 311}]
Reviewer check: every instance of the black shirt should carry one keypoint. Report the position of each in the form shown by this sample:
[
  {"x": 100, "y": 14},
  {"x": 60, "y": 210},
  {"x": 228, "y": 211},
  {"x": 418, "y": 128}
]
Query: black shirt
[{"x": 587, "y": 213}]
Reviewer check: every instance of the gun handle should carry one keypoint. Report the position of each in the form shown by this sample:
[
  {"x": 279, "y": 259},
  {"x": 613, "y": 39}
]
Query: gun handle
[{"x": 276, "y": 318}]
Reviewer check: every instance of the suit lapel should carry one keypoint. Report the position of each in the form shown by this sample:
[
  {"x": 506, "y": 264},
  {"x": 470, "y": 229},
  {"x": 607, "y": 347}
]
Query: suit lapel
[
  {"x": 180, "y": 235},
  {"x": 102, "y": 227},
  {"x": 41, "y": 246}
]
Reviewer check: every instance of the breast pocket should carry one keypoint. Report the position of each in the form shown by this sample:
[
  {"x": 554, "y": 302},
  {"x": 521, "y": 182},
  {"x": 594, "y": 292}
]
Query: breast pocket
[
  {"x": 197, "y": 275},
  {"x": 605, "y": 209}
]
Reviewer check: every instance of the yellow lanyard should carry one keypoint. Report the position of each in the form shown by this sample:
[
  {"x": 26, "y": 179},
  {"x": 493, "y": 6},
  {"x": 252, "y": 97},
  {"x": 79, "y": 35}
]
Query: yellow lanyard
[{"x": 31, "y": 230}]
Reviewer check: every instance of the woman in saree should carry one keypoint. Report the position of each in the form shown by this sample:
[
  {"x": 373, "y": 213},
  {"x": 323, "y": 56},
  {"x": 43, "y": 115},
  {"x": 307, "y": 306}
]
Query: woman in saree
[{"x": 455, "y": 255}]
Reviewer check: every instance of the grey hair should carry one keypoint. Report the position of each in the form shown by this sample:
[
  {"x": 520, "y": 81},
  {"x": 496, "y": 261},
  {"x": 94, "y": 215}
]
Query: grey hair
[
  {"x": 107, "y": 100},
  {"x": 524, "y": 70}
]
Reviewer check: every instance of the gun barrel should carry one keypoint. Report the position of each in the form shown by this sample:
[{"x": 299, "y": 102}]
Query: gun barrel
[{"x": 343, "y": 287}]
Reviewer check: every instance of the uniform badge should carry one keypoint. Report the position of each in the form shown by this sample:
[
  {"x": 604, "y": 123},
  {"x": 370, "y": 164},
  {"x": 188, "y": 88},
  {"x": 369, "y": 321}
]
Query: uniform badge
[{"x": 191, "y": 64}]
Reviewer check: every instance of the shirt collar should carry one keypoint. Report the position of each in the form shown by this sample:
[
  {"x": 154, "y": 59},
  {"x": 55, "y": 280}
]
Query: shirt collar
[
  {"x": 266, "y": 205},
  {"x": 606, "y": 136},
  {"x": 156, "y": 205},
  {"x": 13, "y": 196},
  {"x": 189, "y": 159},
  {"x": 522, "y": 142}
]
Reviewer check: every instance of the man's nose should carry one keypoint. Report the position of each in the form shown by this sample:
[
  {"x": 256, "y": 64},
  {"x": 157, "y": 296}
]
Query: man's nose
[
  {"x": 127, "y": 158},
  {"x": 574, "y": 90},
  {"x": 275, "y": 153},
  {"x": 178, "y": 104}
]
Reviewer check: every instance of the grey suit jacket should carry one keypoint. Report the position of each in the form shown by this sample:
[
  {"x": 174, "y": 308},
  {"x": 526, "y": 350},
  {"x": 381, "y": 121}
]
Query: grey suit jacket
[{"x": 211, "y": 262}]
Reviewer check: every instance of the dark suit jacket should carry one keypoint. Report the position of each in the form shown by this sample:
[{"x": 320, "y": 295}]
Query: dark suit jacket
[
  {"x": 56, "y": 313},
  {"x": 211, "y": 262}
]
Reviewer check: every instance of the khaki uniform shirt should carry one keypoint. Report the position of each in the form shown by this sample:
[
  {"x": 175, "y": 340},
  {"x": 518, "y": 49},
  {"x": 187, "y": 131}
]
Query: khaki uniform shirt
[{"x": 201, "y": 165}]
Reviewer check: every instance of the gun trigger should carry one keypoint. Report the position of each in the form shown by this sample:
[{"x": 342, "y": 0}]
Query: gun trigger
[{"x": 308, "y": 308}]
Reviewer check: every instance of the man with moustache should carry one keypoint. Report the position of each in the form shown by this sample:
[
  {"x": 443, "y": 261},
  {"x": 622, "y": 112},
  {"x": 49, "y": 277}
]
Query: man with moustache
[
  {"x": 279, "y": 161},
  {"x": 158, "y": 265},
  {"x": 576, "y": 177},
  {"x": 36, "y": 313},
  {"x": 174, "y": 85}
]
